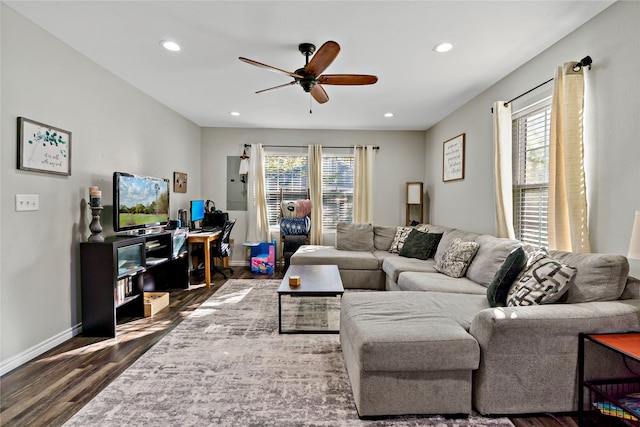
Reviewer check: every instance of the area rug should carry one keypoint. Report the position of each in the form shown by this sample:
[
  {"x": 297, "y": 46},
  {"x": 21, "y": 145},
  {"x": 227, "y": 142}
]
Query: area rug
[{"x": 226, "y": 365}]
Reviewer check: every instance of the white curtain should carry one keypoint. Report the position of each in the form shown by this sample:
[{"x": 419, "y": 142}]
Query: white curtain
[
  {"x": 365, "y": 157},
  {"x": 258, "y": 227},
  {"x": 315, "y": 192},
  {"x": 502, "y": 169},
  {"x": 568, "y": 224}
]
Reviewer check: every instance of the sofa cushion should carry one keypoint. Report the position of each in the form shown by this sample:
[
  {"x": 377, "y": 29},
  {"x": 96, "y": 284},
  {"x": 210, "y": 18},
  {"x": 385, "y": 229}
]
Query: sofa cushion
[
  {"x": 354, "y": 237},
  {"x": 345, "y": 260},
  {"x": 456, "y": 259},
  {"x": 405, "y": 331},
  {"x": 544, "y": 281},
  {"x": 600, "y": 277},
  {"x": 398, "y": 240},
  {"x": 449, "y": 236},
  {"x": 490, "y": 256},
  {"x": 437, "y": 282},
  {"x": 383, "y": 236},
  {"x": 505, "y": 276},
  {"x": 395, "y": 264},
  {"x": 632, "y": 289}
]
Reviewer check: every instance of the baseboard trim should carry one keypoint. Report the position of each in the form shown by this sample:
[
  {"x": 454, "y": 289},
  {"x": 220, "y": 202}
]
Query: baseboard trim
[{"x": 20, "y": 359}]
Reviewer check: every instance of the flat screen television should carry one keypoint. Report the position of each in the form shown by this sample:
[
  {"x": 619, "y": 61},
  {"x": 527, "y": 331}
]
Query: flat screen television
[
  {"x": 139, "y": 202},
  {"x": 197, "y": 212}
]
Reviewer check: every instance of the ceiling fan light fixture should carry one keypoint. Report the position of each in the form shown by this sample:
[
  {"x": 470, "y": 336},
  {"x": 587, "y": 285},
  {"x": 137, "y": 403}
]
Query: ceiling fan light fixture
[
  {"x": 170, "y": 45},
  {"x": 443, "y": 47}
]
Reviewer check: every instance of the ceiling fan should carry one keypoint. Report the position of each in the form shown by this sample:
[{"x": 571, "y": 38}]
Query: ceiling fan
[{"x": 310, "y": 76}]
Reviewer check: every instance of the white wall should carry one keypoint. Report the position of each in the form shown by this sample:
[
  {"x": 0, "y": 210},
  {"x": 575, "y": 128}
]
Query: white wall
[
  {"x": 612, "y": 39},
  {"x": 114, "y": 127},
  {"x": 400, "y": 159}
]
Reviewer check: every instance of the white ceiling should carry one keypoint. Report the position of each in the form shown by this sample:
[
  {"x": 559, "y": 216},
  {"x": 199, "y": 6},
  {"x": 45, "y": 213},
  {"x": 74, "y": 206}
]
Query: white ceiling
[{"x": 391, "y": 39}]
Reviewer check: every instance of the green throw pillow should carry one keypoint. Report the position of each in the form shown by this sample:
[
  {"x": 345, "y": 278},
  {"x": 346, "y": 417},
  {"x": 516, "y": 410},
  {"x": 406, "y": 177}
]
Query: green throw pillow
[
  {"x": 433, "y": 240},
  {"x": 505, "y": 276},
  {"x": 415, "y": 246}
]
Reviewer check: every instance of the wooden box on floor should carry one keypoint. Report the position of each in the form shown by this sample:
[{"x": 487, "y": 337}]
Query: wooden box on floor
[{"x": 154, "y": 302}]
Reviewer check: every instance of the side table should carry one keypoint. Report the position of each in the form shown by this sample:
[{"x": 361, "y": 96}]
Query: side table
[{"x": 618, "y": 400}]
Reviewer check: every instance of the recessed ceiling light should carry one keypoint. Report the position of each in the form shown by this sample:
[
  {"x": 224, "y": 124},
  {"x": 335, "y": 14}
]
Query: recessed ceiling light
[
  {"x": 234, "y": 113},
  {"x": 443, "y": 47},
  {"x": 170, "y": 45},
  {"x": 388, "y": 114}
]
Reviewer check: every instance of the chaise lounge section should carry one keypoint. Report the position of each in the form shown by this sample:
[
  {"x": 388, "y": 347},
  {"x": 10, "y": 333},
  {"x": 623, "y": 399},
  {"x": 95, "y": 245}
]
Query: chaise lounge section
[{"x": 440, "y": 344}]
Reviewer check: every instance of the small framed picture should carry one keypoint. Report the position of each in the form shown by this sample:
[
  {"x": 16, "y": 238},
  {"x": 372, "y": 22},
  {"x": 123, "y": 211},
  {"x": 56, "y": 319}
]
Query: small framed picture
[
  {"x": 453, "y": 159},
  {"x": 43, "y": 148},
  {"x": 179, "y": 182}
]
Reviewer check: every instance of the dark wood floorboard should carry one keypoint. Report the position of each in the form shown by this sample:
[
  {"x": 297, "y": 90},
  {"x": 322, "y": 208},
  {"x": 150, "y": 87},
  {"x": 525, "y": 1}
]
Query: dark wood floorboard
[{"x": 48, "y": 390}]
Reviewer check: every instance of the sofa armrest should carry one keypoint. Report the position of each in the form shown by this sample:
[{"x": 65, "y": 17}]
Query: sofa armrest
[{"x": 529, "y": 359}]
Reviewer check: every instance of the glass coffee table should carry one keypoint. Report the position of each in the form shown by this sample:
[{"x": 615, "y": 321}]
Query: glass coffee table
[{"x": 315, "y": 281}]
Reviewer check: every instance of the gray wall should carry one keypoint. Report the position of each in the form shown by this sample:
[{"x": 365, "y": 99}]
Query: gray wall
[
  {"x": 612, "y": 39},
  {"x": 114, "y": 127},
  {"x": 400, "y": 159}
]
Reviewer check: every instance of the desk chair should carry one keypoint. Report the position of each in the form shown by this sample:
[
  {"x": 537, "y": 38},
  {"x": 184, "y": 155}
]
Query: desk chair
[{"x": 222, "y": 249}]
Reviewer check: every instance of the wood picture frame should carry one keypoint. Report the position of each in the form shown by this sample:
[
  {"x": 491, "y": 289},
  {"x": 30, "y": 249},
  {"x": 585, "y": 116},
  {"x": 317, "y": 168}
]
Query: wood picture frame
[
  {"x": 179, "y": 182},
  {"x": 453, "y": 158},
  {"x": 43, "y": 148}
]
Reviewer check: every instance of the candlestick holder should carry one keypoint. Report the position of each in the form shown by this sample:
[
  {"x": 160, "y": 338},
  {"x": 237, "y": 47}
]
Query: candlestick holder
[{"x": 95, "y": 226}]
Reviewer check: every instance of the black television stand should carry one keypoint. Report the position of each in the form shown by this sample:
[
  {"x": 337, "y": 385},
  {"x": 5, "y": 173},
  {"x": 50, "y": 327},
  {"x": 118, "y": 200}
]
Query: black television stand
[{"x": 116, "y": 273}]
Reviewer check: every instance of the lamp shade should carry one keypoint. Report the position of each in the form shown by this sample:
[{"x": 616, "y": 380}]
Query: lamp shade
[
  {"x": 244, "y": 166},
  {"x": 634, "y": 245}
]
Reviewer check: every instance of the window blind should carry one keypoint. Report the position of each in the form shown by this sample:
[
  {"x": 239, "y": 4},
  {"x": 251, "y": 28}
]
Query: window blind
[{"x": 531, "y": 128}]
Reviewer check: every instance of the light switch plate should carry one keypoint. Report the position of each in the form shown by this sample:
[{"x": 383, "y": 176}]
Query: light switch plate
[{"x": 27, "y": 202}]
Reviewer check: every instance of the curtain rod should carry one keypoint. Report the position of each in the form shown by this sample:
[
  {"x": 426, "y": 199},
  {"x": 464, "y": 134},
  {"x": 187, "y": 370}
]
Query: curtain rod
[
  {"x": 304, "y": 146},
  {"x": 584, "y": 62},
  {"x": 529, "y": 91}
]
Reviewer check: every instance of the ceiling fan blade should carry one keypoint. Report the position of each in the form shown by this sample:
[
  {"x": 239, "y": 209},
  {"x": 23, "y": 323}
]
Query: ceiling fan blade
[
  {"x": 276, "y": 87},
  {"x": 322, "y": 58},
  {"x": 269, "y": 67},
  {"x": 319, "y": 94},
  {"x": 347, "y": 79}
]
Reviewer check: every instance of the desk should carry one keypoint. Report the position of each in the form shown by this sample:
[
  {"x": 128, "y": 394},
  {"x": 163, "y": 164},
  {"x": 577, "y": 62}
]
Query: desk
[{"x": 206, "y": 239}]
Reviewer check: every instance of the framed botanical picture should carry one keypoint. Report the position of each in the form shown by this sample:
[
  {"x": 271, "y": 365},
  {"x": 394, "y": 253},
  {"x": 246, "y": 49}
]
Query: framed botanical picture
[
  {"x": 179, "y": 182},
  {"x": 453, "y": 158},
  {"x": 43, "y": 148}
]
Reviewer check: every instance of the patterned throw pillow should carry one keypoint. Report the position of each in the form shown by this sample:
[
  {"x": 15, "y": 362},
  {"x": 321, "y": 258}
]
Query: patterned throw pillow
[
  {"x": 456, "y": 259},
  {"x": 398, "y": 241},
  {"x": 295, "y": 226},
  {"x": 544, "y": 281}
]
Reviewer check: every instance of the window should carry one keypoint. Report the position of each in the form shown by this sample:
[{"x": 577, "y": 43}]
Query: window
[
  {"x": 288, "y": 173},
  {"x": 531, "y": 129},
  {"x": 337, "y": 189}
]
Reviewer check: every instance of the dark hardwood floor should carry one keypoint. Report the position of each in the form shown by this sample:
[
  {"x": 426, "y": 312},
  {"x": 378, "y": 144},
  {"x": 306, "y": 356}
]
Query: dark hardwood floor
[{"x": 48, "y": 390}]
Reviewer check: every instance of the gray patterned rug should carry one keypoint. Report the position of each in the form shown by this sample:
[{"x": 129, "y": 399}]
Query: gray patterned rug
[{"x": 226, "y": 365}]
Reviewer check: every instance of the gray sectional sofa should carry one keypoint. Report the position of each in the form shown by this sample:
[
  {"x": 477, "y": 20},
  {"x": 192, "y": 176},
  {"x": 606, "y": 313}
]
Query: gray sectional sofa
[{"x": 437, "y": 344}]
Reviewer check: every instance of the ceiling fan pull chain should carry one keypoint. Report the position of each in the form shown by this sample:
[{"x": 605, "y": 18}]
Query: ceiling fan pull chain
[{"x": 310, "y": 104}]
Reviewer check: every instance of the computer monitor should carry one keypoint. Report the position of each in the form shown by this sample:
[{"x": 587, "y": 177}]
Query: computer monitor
[{"x": 197, "y": 213}]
